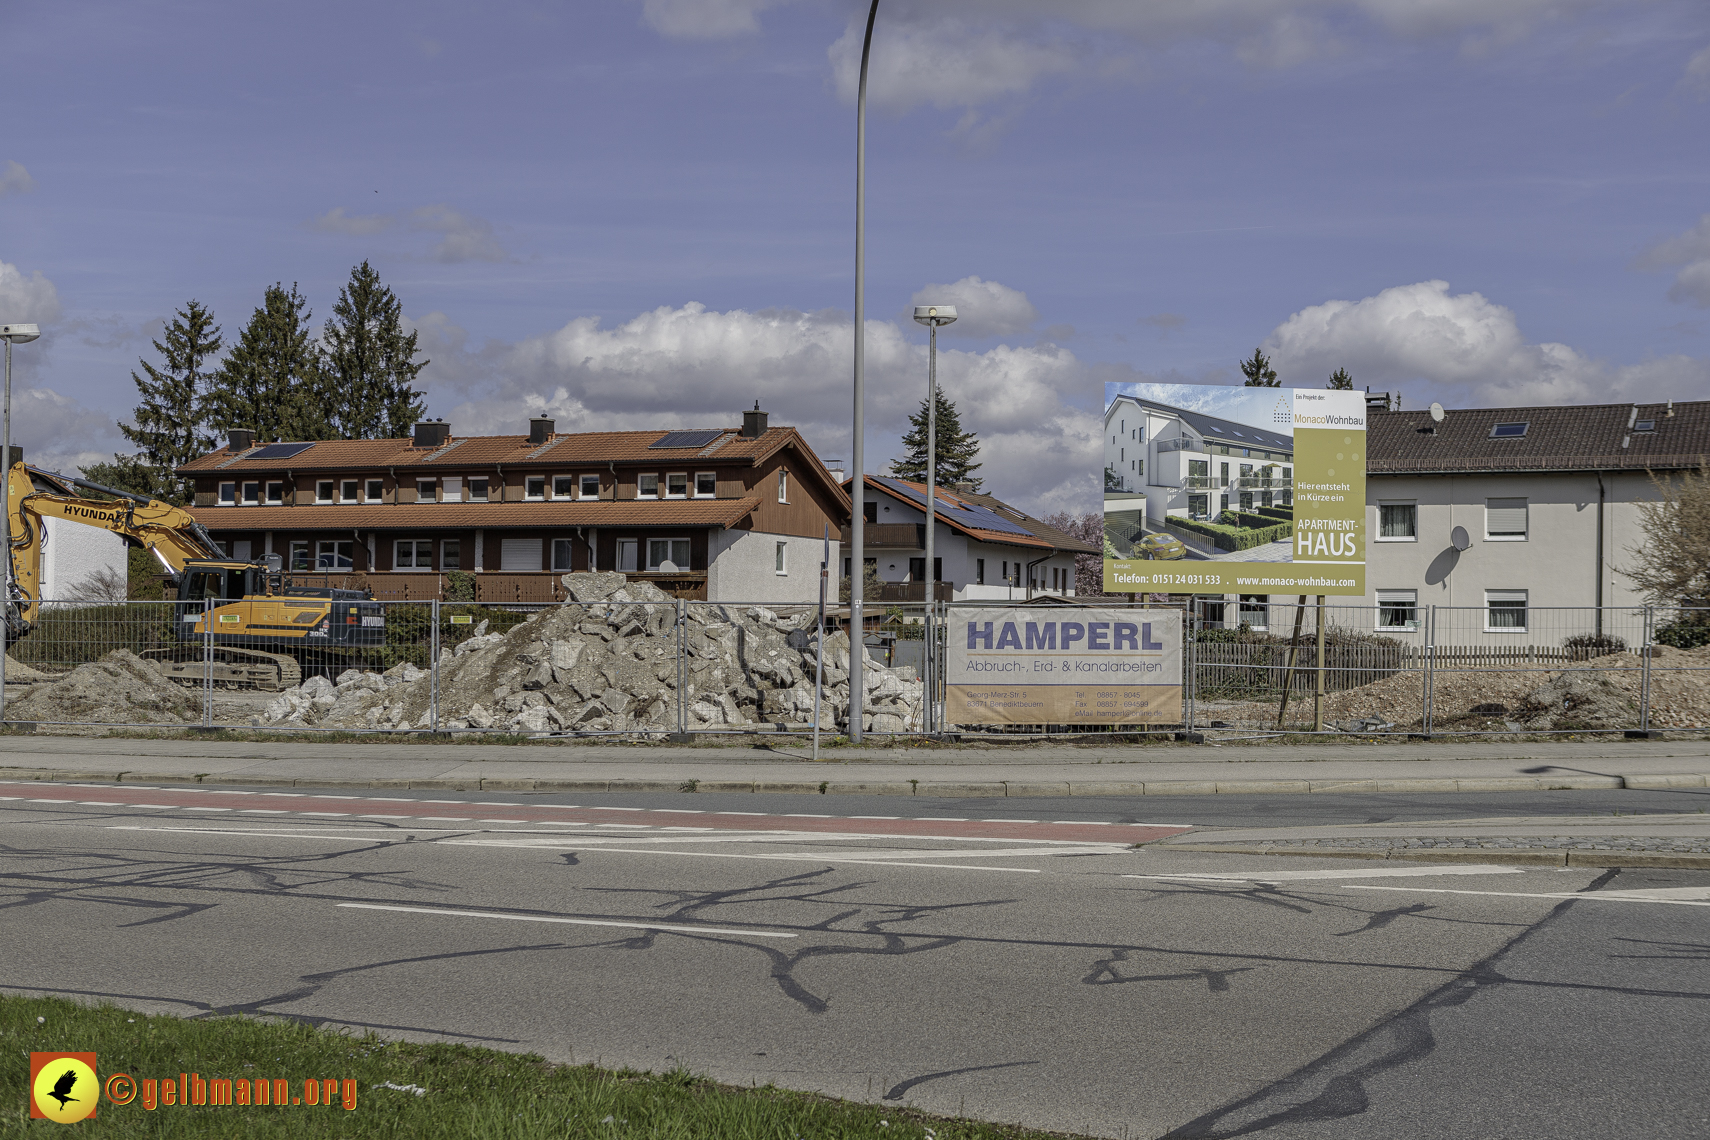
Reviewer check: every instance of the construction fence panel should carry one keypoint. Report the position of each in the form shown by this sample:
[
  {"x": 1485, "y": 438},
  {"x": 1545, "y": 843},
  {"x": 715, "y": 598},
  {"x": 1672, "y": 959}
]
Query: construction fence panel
[{"x": 1677, "y": 660}]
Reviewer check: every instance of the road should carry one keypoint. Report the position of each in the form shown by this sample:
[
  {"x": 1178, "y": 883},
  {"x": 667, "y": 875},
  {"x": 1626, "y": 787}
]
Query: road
[{"x": 1036, "y": 967}]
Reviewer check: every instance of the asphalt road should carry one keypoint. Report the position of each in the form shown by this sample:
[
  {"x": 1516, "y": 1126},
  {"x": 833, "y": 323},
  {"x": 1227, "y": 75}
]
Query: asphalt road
[{"x": 1032, "y": 967}]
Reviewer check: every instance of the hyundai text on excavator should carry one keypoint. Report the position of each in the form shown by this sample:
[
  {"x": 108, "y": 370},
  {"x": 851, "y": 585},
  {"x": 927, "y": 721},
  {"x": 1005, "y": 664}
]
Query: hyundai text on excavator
[{"x": 265, "y": 630}]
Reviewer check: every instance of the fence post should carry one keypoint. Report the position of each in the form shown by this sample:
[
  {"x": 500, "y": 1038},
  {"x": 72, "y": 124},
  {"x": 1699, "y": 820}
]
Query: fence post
[
  {"x": 1645, "y": 654},
  {"x": 1190, "y": 664},
  {"x": 433, "y": 666},
  {"x": 682, "y": 666},
  {"x": 207, "y": 662},
  {"x": 927, "y": 661},
  {"x": 1430, "y": 668}
]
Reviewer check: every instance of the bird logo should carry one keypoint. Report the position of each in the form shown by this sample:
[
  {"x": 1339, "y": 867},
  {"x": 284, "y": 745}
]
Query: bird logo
[{"x": 63, "y": 1086}]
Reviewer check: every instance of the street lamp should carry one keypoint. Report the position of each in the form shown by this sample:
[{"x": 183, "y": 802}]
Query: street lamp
[
  {"x": 11, "y": 334},
  {"x": 857, "y": 523},
  {"x": 932, "y": 316}
]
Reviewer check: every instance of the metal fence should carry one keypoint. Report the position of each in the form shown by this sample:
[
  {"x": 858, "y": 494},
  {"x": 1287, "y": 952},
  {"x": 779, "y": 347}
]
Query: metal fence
[{"x": 688, "y": 668}]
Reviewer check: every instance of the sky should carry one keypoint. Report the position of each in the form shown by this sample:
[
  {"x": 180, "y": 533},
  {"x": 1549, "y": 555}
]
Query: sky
[{"x": 640, "y": 213}]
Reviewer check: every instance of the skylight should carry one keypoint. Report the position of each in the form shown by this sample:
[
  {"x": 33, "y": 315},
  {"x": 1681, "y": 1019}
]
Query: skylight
[
  {"x": 1645, "y": 425},
  {"x": 1508, "y": 431}
]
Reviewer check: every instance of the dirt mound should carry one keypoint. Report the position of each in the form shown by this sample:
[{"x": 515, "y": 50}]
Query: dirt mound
[{"x": 121, "y": 688}]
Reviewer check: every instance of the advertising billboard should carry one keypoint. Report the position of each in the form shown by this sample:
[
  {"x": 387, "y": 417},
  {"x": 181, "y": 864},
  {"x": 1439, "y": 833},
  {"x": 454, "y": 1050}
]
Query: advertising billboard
[
  {"x": 1031, "y": 665},
  {"x": 1223, "y": 490}
]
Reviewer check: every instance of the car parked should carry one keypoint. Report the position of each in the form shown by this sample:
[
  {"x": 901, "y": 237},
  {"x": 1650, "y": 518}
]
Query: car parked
[{"x": 1162, "y": 546}]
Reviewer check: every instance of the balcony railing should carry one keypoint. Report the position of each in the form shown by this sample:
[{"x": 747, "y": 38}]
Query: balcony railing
[
  {"x": 1237, "y": 483},
  {"x": 915, "y": 591},
  {"x": 889, "y": 536}
]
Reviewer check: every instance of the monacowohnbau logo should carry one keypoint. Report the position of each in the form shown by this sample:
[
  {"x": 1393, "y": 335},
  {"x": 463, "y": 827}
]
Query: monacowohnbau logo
[{"x": 63, "y": 1087}]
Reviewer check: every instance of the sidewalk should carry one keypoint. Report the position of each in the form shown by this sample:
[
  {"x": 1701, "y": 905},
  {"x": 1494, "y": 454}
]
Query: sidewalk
[{"x": 1038, "y": 770}]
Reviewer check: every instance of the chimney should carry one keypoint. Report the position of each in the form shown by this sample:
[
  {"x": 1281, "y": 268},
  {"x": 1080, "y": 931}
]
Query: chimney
[
  {"x": 540, "y": 430},
  {"x": 754, "y": 423},
  {"x": 1379, "y": 402},
  {"x": 432, "y": 433},
  {"x": 240, "y": 439},
  {"x": 834, "y": 468},
  {"x": 962, "y": 488}
]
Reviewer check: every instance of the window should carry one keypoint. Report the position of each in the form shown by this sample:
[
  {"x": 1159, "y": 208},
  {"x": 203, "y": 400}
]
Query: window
[
  {"x": 1198, "y": 505},
  {"x": 979, "y": 571},
  {"x": 534, "y": 487},
  {"x": 647, "y": 486},
  {"x": 299, "y": 555},
  {"x": 376, "y": 491},
  {"x": 426, "y": 490},
  {"x": 334, "y": 555},
  {"x": 783, "y": 486},
  {"x": 451, "y": 489},
  {"x": 1505, "y": 520},
  {"x": 563, "y": 486},
  {"x": 1398, "y": 522},
  {"x": 1246, "y": 500},
  {"x": 1199, "y": 469},
  {"x": 477, "y": 490},
  {"x": 1505, "y": 611},
  {"x": 590, "y": 486},
  {"x": 1255, "y": 611},
  {"x": 870, "y": 512},
  {"x": 450, "y": 554},
  {"x": 252, "y": 494},
  {"x": 228, "y": 494},
  {"x": 520, "y": 555},
  {"x": 778, "y": 557},
  {"x": 561, "y": 549},
  {"x": 276, "y": 493},
  {"x": 1398, "y": 609},
  {"x": 413, "y": 554},
  {"x": 1645, "y": 425},
  {"x": 676, "y": 486},
  {"x": 667, "y": 554},
  {"x": 1508, "y": 431},
  {"x": 706, "y": 485},
  {"x": 626, "y": 560},
  {"x": 347, "y": 490}
]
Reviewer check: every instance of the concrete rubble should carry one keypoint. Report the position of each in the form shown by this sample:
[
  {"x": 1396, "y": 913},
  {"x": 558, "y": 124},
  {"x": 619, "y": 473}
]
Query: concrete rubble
[
  {"x": 120, "y": 688},
  {"x": 606, "y": 660}
]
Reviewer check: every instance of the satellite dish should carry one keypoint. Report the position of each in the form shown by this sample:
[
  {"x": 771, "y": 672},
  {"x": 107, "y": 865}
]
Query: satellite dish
[
  {"x": 1437, "y": 417},
  {"x": 1459, "y": 539},
  {"x": 670, "y": 567}
]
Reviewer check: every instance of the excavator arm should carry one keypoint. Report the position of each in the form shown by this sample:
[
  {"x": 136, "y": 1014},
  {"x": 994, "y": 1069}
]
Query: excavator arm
[{"x": 32, "y": 495}]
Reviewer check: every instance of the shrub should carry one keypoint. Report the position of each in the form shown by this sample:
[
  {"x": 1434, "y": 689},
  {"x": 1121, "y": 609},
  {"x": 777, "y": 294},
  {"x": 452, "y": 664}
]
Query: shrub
[{"x": 1596, "y": 643}]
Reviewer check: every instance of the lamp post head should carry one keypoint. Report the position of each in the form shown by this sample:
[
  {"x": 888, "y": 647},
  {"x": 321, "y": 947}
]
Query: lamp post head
[
  {"x": 19, "y": 334},
  {"x": 935, "y": 315}
]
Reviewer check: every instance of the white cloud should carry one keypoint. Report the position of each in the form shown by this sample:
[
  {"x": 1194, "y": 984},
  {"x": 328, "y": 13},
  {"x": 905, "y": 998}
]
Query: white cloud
[
  {"x": 15, "y": 179},
  {"x": 61, "y": 434},
  {"x": 1690, "y": 251},
  {"x": 692, "y": 367},
  {"x": 1697, "y": 75},
  {"x": 336, "y": 221},
  {"x": 465, "y": 237},
  {"x": 705, "y": 19},
  {"x": 983, "y": 308},
  {"x": 1461, "y": 347},
  {"x": 31, "y": 298}
]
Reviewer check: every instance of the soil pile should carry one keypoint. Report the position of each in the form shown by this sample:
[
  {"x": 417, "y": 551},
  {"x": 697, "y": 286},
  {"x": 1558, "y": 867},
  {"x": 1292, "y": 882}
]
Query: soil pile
[{"x": 120, "y": 688}]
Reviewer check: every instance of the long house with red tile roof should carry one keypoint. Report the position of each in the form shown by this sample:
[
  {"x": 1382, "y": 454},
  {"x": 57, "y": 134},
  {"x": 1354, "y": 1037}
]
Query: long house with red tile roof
[{"x": 720, "y": 514}]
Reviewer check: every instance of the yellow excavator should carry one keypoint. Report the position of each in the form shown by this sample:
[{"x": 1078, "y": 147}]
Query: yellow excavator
[{"x": 260, "y": 630}]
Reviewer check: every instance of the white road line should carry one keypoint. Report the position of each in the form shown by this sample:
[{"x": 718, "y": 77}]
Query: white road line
[
  {"x": 101, "y": 803},
  {"x": 940, "y": 818},
  {"x": 1009, "y": 821},
  {"x": 382, "y": 817},
  {"x": 759, "y": 813},
  {"x": 571, "y": 921},
  {"x": 342, "y": 798},
  {"x": 428, "y": 818},
  {"x": 442, "y": 801},
  {"x": 859, "y": 816},
  {"x": 263, "y": 811},
  {"x": 1588, "y": 896},
  {"x": 807, "y": 815},
  {"x": 50, "y": 801},
  {"x": 1340, "y": 873},
  {"x": 385, "y": 799},
  {"x": 477, "y": 821},
  {"x": 495, "y": 803},
  {"x": 679, "y": 811},
  {"x": 323, "y": 813},
  {"x": 154, "y": 807},
  {"x": 1085, "y": 822},
  {"x": 221, "y": 792},
  {"x": 776, "y": 855},
  {"x": 206, "y": 809}
]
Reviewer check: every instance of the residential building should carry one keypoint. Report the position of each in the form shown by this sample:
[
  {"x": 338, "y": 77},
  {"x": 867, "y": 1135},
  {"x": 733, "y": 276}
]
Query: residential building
[
  {"x": 75, "y": 556},
  {"x": 983, "y": 548},
  {"x": 1508, "y": 513},
  {"x": 1161, "y": 460},
  {"x": 721, "y": 514}
]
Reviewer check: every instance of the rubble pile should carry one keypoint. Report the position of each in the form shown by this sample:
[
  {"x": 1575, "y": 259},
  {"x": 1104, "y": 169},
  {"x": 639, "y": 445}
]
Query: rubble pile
[
  {"x": 606, "y": 660},
  {"x": 120, "y": 688}
]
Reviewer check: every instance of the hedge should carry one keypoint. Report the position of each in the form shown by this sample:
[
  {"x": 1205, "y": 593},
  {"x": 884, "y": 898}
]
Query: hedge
[{"x": 1231, "y": 538}]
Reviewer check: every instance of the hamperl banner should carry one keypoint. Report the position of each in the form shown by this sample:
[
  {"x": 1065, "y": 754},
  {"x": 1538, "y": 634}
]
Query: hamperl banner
[
  {"x": 1056, "y": 666},
  {"x": 1224, "y": 490}
]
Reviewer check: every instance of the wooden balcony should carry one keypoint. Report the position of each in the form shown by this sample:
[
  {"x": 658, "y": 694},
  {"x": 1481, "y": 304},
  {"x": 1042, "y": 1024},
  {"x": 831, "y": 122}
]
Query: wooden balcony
[
  {"x": 888, "y": 536},
  {"x": 914, "y": 592}
]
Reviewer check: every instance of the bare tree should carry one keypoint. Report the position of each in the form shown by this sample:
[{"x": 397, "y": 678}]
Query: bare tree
[
  {"x": 1673, "y": 565},
  {"x": 104, "y": 585}
]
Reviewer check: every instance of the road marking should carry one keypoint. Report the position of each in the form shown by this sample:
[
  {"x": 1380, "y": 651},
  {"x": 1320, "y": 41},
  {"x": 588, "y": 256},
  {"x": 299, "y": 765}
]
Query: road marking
[
  {"x": 334, "y": 814},
  {"x": 101, "y": 803},
  {"x": 1009, "y": 821},
  {"x": 1589, "y": 896},
  {"x": 571, "y": 921},
  {"x": 382, "y": 817},
  {"x": 428, "y": 818},
  {"x": 732, "y": 855},
  {"x": 477, "y": 821},
  {"x": 206, "y": 809},
  {"x": 852, "y": 816},
  {"x": 1373, "y": 873},
  {"x": 806, "y": 815},
  {"x": 943, "y": 818},
  {"x": 50, "y": 801},
  {"x": 679, "y": 811},
  {"x": 263, "y": 811}
]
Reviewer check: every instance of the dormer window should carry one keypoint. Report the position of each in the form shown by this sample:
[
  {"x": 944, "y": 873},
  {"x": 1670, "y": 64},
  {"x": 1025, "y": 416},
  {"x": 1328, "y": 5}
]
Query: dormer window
[{"x": 1509, "y": 431}]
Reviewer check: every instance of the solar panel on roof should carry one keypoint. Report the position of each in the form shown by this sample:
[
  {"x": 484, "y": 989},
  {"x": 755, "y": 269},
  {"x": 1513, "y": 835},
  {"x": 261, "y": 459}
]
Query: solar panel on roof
[
  {"x": 279, "y": 451},
  {"x": 698, "y": 438}
]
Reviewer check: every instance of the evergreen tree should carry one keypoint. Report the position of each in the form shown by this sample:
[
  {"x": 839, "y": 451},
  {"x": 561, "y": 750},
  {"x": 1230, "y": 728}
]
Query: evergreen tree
[
  {"x": 1341, "y": 381},
  {"x": 274, "y": 381},
  {"x": 169, "y": 427},
  {"x": 956, "y": 449},
  {"x": 134, "y": 473},
  {"x": 1259, "y": 372},
  {"x": 370, "y": 361}
]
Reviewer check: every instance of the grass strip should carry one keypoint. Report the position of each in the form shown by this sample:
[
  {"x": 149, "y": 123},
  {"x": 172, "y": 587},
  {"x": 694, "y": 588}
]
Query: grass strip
[{"x": 469, "y": 1092}]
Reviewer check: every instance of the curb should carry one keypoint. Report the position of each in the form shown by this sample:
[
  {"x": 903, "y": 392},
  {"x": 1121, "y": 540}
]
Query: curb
[
  {"x": 942, "y": 789},
  {"x": 1525, "y": 857}
]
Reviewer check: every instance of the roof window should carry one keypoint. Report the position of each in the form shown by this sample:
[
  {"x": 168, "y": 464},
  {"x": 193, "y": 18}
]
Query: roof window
[
  {"x": 1508, "y": 431},
  {"x": 1645, "y": 425}
]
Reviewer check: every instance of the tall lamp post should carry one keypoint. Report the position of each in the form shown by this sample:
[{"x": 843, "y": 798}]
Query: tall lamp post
[
  {"x": 11, "y": 334},
  {"x": 932, "y": 316},
  {"x": 857, "y": 528}
]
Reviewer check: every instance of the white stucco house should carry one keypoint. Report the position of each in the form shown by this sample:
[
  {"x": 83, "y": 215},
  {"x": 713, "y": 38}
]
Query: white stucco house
[
  {"x": 73, "y": 554},
  {"x": 1190, "y": 464}
]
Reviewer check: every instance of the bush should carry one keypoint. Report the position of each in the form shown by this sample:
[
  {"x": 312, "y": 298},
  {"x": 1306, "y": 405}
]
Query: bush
[
  {"x": 1234, "y": 538},
  {"x": 1689, "y": 632},
  {"x": 1597, "y": 643}
]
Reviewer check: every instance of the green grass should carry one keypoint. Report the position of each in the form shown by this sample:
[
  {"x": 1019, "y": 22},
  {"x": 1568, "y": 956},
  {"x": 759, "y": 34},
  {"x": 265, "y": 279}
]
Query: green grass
[{"x": 471, "y": 1092}]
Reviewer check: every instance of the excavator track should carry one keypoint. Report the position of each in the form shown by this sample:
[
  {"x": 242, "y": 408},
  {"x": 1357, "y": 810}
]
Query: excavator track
[{"x": 231, "y": 668}]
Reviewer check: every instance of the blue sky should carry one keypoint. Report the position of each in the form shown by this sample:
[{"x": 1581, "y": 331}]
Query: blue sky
[{"x": 640, "y": 213}]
